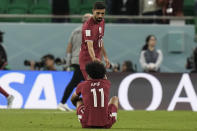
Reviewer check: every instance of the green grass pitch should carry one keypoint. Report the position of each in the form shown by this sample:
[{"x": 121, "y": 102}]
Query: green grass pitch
[{"x": 54, "y": 120}]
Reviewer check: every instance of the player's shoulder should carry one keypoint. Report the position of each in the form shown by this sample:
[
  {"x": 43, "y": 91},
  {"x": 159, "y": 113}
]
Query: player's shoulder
[
  {"x": 83, "y": 83},
  {"x": 104, "y": 81},
  {"x": 88, "y": 23}
]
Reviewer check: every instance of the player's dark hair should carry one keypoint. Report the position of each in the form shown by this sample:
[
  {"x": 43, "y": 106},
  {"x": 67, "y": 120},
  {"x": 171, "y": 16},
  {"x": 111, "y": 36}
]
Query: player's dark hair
[
  {"x": 145, "y": 47},
  {"x": 99, "y": 5},
  {"x": 96, "y": 70}
]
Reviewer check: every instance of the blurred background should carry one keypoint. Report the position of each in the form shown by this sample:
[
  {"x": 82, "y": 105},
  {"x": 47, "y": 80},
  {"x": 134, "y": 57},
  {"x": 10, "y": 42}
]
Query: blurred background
[
  {"x": 33, "y": 28},
  {"x": 151, "y": 36}
]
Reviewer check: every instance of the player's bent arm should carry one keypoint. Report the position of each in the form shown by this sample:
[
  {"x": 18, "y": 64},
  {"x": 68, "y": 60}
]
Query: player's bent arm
[
  {"x": 104, "y": 51},
  {"x": 91, "y": 50},
  {"x": 75, "y": 98}
]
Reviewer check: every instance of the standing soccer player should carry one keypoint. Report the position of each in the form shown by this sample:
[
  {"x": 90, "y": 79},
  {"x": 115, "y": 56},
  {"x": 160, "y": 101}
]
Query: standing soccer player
[
  {"x": 92, "y": 47},
  {"x": 72, "y": 60},
  {"x": 93, "y": 109}
]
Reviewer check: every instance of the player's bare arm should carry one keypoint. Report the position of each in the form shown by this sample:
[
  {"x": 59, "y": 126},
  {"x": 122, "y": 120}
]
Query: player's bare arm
[
  {"x": 69, "y": 48},
  {"x": 91, "y": 51},
  {"x": 76, "y": 100},
  {"x": 68, "y": 54},
  {"x": 105, "y": 56}
]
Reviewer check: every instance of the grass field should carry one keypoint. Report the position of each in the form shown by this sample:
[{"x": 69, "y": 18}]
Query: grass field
[{"x": 54, "y": 120}]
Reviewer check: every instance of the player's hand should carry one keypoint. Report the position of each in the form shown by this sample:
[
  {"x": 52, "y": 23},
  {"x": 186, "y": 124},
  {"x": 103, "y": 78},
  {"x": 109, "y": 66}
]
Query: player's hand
[
  {"x": 96, "y": 59},
  {"x": 107, "y": 62}
]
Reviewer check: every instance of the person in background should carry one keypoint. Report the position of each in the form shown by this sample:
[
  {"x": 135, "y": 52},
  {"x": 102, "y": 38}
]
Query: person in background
[
  {"x": 195, "y": 61},
  {"x": 173, "y": 7},
  {"x": 47, "y": 63},
  {"x": 150, "y": 8},
  {"x": 3, "y": 64},
  {"x": 72, "y": 61},
  {"x": 150, "y": 57},
  {"x": 192, "y": 62},
  {"x": 127, "y": 66},
  {"x": 195, "y": 7}
]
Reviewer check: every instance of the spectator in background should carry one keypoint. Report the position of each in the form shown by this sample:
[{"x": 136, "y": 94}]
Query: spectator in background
[
  {"x": 150, "y": 58},
  {"x": 173, "y": 7},
  {"x": 123, "y": 7},
  {"x": 72, "y": 60},
  {"x": 47, "y": 63},
  {"x": 195, "y": 61},
  {"x": 127, "y": 66},
  {"x": 3, "y": 54},
  {"x": 60, "y": 7},
  {"x": 151, "y": 7},
  {"x": 3, "y": 63},
  {"x": 192, "y": 62}
]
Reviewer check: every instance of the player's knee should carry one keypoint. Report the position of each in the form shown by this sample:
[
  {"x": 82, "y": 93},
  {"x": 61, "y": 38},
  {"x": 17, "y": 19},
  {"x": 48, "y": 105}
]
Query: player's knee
[{"x": 114, "y": 100}]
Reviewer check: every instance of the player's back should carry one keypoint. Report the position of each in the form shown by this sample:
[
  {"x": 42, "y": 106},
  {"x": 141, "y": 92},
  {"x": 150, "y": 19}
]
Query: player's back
[{"x": 95, "y": 95}]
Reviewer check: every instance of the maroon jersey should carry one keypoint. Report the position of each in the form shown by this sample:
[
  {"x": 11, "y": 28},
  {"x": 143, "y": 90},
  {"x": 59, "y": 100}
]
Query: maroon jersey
[
  {"x": 95, "y": 95},
  {"x": 91, "y": 31}
]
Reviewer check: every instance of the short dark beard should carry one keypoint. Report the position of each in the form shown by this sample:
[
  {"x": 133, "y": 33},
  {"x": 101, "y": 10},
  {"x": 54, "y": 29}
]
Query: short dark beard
[{"x": 98, "y": 20}]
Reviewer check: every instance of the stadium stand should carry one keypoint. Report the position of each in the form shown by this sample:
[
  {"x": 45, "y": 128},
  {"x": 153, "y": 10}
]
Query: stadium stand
[
  {"x": 3, "y": 6},
  {"x": 40, "y": 7},
  {"x": 17, "y": 7},
  {"x": 188, "y": 7}
]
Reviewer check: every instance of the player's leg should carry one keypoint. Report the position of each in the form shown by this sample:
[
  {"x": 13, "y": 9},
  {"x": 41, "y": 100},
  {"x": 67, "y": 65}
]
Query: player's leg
[
  {"x": 112, "y": 110},
  {"x": 2, "y": 91},
  {"x": 114, "y": 101},
  {"x": 81, "y": 113},
  {"x": 10, "y": 98},
  {"x": 76, "y": 79}
]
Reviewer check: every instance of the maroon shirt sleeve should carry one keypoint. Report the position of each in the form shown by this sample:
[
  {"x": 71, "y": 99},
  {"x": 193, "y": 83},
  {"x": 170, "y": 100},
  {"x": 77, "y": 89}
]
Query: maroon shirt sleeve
[{"x": 89, "y": 34}]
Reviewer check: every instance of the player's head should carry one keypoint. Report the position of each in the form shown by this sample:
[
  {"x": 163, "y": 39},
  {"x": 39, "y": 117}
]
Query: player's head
[
  {"x": 98, "y": 11},
  {"x": 96, "y": 70},
  {"x": 86, "y": 17}
]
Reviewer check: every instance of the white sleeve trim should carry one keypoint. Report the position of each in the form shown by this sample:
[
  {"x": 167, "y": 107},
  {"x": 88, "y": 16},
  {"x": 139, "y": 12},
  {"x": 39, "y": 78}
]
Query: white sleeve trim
[{"x": 143, "y": 61}]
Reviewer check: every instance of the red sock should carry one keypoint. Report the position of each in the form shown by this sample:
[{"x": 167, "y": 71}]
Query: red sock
[{"x": 4, "y": 92}]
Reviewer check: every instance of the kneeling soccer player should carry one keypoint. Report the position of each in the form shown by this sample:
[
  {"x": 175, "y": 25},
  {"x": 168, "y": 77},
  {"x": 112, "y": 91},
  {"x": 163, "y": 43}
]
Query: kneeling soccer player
[{"x": 93, "y": 109}]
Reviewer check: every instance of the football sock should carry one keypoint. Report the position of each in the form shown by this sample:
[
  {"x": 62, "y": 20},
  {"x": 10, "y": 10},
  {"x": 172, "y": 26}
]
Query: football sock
[{"x": 4, "y": 92}]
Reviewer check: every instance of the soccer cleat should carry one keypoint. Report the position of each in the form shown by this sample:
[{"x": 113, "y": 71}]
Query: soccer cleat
[
  {"x": 64, "y": 107},
  {"x": 10, "y": 100}
]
